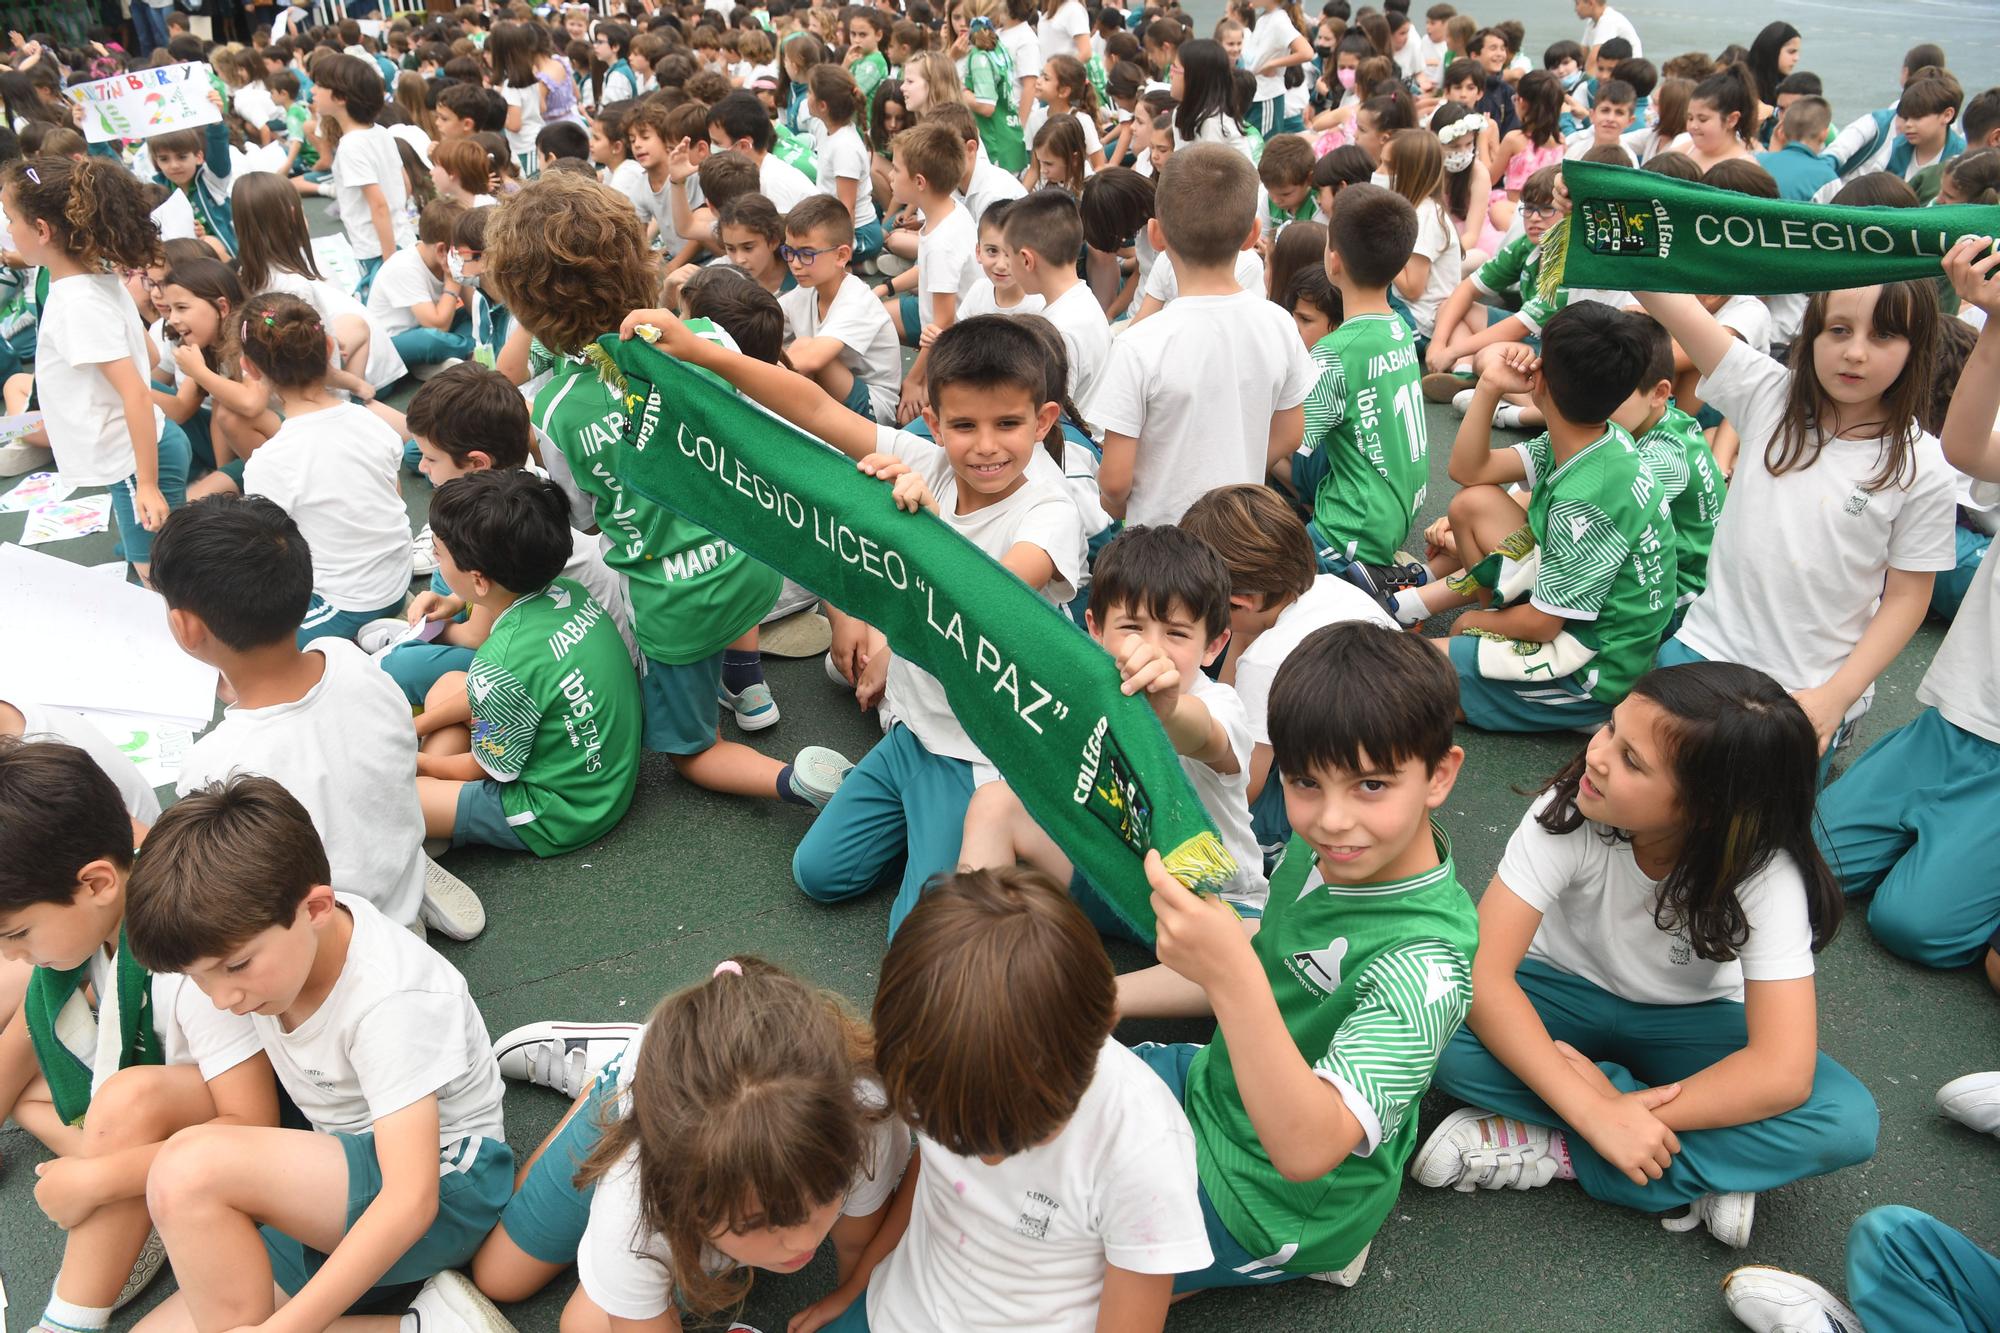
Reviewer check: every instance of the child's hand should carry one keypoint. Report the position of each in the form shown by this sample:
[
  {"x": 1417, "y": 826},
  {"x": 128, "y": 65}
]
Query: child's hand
[
  {"x": 1628, "y": 1135},
  {"x": 916, "y": 397},
  {"x": 823, "y": 1311},
  {"x": 1146, "y": 668},
  {"x": 1439, "y": 539},
  {"x": 873, "y": 681},
  {"x": 215, "y": 99},
  {"x": 676, "y": 339},
  {"x": 1439, "y": 359},
  {"x": 1970, "y": 265},
  {"x": 1198, "y": 937},
  {"x": 929, "y": 335},
  {"x": 680, "y": 161},
  {"x": 150, "y": 506},
  {"x": 1825, "y": 709},
  {"x": 67, "y": 1190},
  {"x": 428, "y": 605},
  {"x": 1510, "y": 367},
  {"x": 1563, "y": 202},
  {"x": 188, "y": 358}
]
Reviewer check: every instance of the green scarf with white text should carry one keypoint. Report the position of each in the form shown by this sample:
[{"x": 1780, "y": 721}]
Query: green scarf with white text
[
  {"x": 1639, "y": 231},
  {"x": 1037, "y": 695}
]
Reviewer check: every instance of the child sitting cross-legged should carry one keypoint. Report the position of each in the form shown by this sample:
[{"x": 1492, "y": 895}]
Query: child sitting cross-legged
[
  {"x": 1160, "y": 605},
  {"x": 1333, "y": 1014},
  {"x": 416, "y": 301},
  {"x": 986, "y": 474},
  {"x": 536, "y": 746},
  {"x": 102, "y": 1106},
  {"x": 838, "y": 332},
  {"x": 404, "y": 1167}
]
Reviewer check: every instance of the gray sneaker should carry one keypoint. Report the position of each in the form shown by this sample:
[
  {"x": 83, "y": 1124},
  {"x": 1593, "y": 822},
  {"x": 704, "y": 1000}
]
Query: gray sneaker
[
  {"x": 450, "y": 906},
  {"x": 817, "y": 773},
  {"x": 152, "y": 1258}
]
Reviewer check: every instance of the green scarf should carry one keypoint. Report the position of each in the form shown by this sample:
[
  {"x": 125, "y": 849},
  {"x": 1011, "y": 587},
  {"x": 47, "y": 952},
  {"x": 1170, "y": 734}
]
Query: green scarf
[
  {"x": 1639, "y": 231},
  {"x": 1091, "y": 764},
  {"x": 60, "y": 1022}
]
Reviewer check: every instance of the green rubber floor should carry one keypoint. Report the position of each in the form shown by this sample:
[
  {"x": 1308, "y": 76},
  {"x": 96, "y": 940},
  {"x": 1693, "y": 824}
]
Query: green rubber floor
[{"x": 690, "y": 877}]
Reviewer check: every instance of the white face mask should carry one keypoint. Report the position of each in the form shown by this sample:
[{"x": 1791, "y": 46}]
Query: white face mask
[
  {"x": 454, "y": 264},
  {"x": 1380, "y": 178}
]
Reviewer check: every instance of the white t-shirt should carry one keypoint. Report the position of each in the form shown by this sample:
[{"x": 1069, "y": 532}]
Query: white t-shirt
[
  {"x": 1058, "y": 31},
  {"x": 629, "y": 179},
  {"x": 657, "y": 206},
  {"x": 1086, "y": 338},
  {"x": 1196, "y": 385},
  {"x": 347, "y": 752},
  {"x": 1093, "y": 143},
  {"x": 1329, "y": 601},
  {"x": 403, "y": 281},
  {"x": 1272, "y": 37},
  {"x": 39, "y": 722},
  {"x": 786, "y": 186},
  {"x": 1226, "y": 796},
  {"x": 842, "y": 156},
  {"x": 623, "y": 1266},
  {"x": 1024, "y": 1245},
  {"x": 88, "y": 323},
  {"x": 398, "y": 1025},
  {"x": 191, "y": 1030},
  {"x": 334, "y": 471},
  {"x": 1962, "y": 683},
  {"x": 1609, "y": 24},
  {"x": 1749, "y": 319},
  {"x": 1215, "y": 128},
  {"x": 1040, "y": 511},
  {"x": 1437, "y": 241},
  {"x": 385, "y": 364},
  {"x": 254, "y": 103},
  {"x": 1796, "y": 570},
  {"x": 1163, "y": 284},
  {"x": 868, "y": 343},
  {"x": 946, "y": 260},
  {"x": 368, "y": 156},
  {"x": 1024, "y": 49},
  {"x": 521, "y": 142},
  {"x": 981, "y": 301},
  {"x": 1597, "y": 919},
  {"x": 988, "y": 185},
  {"x": 174, "y": 217}
]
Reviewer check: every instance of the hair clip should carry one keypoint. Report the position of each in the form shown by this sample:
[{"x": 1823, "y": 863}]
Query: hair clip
[
  {"x": 270, "y": 320},
  {"x": 729, "y": 965},
  {"x": 981, "y": 24},
  {"x": 32, "y": 174}
]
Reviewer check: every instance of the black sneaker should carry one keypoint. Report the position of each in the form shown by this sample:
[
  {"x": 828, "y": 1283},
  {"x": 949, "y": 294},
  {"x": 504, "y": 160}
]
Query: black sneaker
[
  {"x": 1392, "y": 579},
  {"x": 1360, "y": 576}
]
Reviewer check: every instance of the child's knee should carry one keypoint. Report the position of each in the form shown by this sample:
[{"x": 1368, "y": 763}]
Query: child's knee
[
  {"x": 1920, "y": 932},
  {"x": 497, "y": 1269},
  {"x": 130, "y": 1109},
  {"x": 582, "y": 1315},
  {"x": 1851, "y": 1121},
  {"x": 445, "y": 690},
  {"x": 189, "y": 1173},
  {"x": 995, "y": 802}
]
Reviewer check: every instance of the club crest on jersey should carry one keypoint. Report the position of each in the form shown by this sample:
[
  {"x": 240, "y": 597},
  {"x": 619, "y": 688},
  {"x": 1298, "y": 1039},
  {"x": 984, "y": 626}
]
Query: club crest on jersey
[{"x": 1319, "y": 969}]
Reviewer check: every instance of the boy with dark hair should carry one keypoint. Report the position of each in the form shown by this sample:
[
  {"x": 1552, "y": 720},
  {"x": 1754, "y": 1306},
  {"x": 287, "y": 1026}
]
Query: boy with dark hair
[
  {"x": 739, "y": 123},
  {"x": 285, "y": 89},
  {"x": 926, "y": 163},
  {"x": 984, "y": 184},
  {"x": 562, "y": 139},
  {"x": 1331, "y": 1020},
  {"x": 1794, "y": 160},
  {"x": 1677, "y": 454},
  {"x": 416, "y": 302},
  {"x": 1044, "y": 233},
  {"x": 196, "y": 163},
  {"x": 1927, "y": 120},
  {"x": 369, "y": 191},
  {"x": 653, "y": 135},
  {"x": 1578, "y": 587},
  {"x": 693, "y": 596},
  {"x": 463, "y": 109},
  {"x": 1159, "y": 604},
  {"x": 102, "y": 1063},
  {"x": 320, "y": 719},
  {"x": 987, "y": 391},
  {"x": 1028, "y": 1108},
  {"x": 1981, "y": 121},
  {"x": 839, "y": 334},
  {"x": 1285, "y": 171},
  {"x": 536, "y": 746},
  {"x": 405, "y": 1166}
]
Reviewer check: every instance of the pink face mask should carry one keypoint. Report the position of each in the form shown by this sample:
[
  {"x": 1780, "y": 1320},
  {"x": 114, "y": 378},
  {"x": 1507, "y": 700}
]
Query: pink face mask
[{"x": 1346, "y": 78}]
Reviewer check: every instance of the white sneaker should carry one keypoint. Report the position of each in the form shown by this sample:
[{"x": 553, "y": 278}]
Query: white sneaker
[
  {"x": 423, "y": 556},
  {"x": 1478, "y": 1150},
  {"x": 1461, "y": 400},
  {"x": 1973, "y": 1101},
  {"x": 449, "y": 1303},
  {"x": 18, "y": 457},
  {"x": 377, "y": 635},
  {"x": 152, "y": 1258},
  {"x": 1770, "y": 1300},
  {"x": 1347, "y": 1276},
  {"x": 754, "y": 709},
  {"x": 567, "y": 1057},
  {"x": 1727, "y": 1217},
  {"x": 833, "y": 673},
  {"x": 450, "y": 906},
  {"x": 1507, "y": 416}
]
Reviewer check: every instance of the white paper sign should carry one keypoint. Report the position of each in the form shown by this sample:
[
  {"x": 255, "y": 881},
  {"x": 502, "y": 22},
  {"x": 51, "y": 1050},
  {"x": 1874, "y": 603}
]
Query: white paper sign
[{"x": 145, "y": 102}]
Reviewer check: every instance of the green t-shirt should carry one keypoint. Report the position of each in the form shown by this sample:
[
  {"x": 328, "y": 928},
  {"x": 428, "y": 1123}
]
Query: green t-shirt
[
  {"x": 1677, "y": 454},
  {"x": 1276, "y": 218},
  {"x": 1517, "y": 267},
  {"x": 1372, "y": 980},
  {"x": 556, "y": 717},
  {"x": 693, "y": 594},
  {"x": 868, "y": 72},
  {"x": 1608, "y": 555},
  {"x": 1366, "y": 413},
  {"x": 296, "y": 116},
  {"x": 989, "y": 77}
]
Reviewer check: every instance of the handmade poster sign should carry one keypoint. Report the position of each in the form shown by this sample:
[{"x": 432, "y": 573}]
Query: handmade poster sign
[
  {"x": 1036, "y": 694},
  {"x": 144, "y": 102},
  {"x": 1639, "y": 231}
]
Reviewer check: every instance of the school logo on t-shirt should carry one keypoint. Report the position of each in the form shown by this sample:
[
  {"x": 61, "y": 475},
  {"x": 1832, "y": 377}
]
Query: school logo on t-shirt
[
  {"x": 1319, "y": 969},
  {"x": 1857, "y": 501},
  {"x": 1036, "y": 1213}
]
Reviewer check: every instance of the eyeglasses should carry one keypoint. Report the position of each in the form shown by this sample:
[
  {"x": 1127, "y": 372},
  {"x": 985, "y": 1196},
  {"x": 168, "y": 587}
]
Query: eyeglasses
[
  {"x": 803, "y": 254},
  {"x": 1540, "y": 211},
  {"x": 144, "y": 279}
]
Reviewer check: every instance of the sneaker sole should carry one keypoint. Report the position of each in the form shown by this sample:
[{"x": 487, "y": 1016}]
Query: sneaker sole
[
  {"x": 513, "y": 1041},
  {"x": 1425, "y": 1167},
  {"x": 1443, "y": 386},
  {"x": 763, "y": 721},
  {"x": 471, "y": 1304},
  {"x": 450, "y": 907},
  {"x": 819, "y": 793},
  {"x": 147, "y": 1267}
]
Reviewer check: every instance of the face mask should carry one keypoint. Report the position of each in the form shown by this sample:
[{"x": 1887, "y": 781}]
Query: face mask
[
  {"x": 1573, "y": 78},
  {"x": 1380, "y": 178},
  {"x": 1346, "y": 78}
]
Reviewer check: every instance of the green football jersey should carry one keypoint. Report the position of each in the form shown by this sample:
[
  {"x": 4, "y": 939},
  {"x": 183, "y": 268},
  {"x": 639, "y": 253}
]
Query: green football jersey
[
  {"x": 556, "y": 717},
  {"x": 1682, "y": 463},
  {"x": 1365, "y": 416},
  {"x": 693, "y": 594},
  {"x": 1372, "y": 980},
  {"x": 1515, "y": 266},
  {"x": 989, "y": 77},
  {"x": 1608, "y": 555},
  {"x": 869, "y": 71}
]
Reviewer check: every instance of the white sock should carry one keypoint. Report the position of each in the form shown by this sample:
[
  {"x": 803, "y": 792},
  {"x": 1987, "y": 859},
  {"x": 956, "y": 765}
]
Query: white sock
[
  {"x": 1410, "y": 608},
  {"x": 65, "y": 1317},
  {"x": 411, "y": 1322}
]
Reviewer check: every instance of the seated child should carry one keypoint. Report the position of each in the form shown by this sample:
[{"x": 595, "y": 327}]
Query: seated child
[
  {"x": 838, "y": 333},
  {"x": 987, "y": 389},
  {"x": 1044, "y": 233},
  {"x": 999, "y": 291},
  {"x": 1159, "y": 604},
  {"x": 332, "y": 466},
  {"x": 788, "y": 1112},
  {"x": 692, "y": 595},
  {"x": 405, "y": 1166},
  {"x": 1301, "y": 1147},
  {"x": 196, "y": 164},
  {"x": 1579, "y": 586},
  {"x": 24, "y": 718},
  {"x": 1045, "y": 1148},
  {"x": 535, "y": 747},
  {"x": 1209, "y": 392},
  {"x": 416, "y": 301},
  {"x": 1471, "y": 318},
  {"x": 103, "y": 1106},
  {"x": 1610, "y": 117},
  {"x": 1285, "y": 171},
  {"x": 1795, "y": 159},
  {"x": 1644, "y": 1020},
  {"x": 318, "y": 719}
]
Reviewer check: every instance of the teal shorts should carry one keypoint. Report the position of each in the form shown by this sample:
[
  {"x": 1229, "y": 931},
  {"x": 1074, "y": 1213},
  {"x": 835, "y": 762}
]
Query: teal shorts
[
  {"x": 913, "y": 329},
  {"x": 1561, "y": 704},
  {"x": 326, "y": 621},
  {"x": 475, "y": 1178},
  {"x": 547, "y": 1215},
  {"x": 1233, "y": 1265},
  {"x": 868, "y": 240},
  {"x": 860, "y": 401},
  {"x": 481, "y": 819},
  {"x": 681, "y": 709}
]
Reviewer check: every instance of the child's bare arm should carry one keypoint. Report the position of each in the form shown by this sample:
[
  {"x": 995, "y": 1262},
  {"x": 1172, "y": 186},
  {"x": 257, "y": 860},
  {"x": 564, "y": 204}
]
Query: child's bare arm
[
  {"x": 470, "y": 632},
  {"x": 1134, "y": 1302},
  {"x": 17, "y": 1063},
  {"x": 1288, "y": 430},
  {"x": 1970, "y": 442},
  {"x": 1505, "y": 369},
  {"x": 1694, "y": 330},
  {"x": 811, "y": 355},
  {"x": 378, "y": 217},
  {"x": 1906, "y": 597},
  {"x": 135, "y": 395},
  {"x": 1030, "y": 564},
  {"x": 1114, "y": 472},
  {"x": 895, "y": 1221}
]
